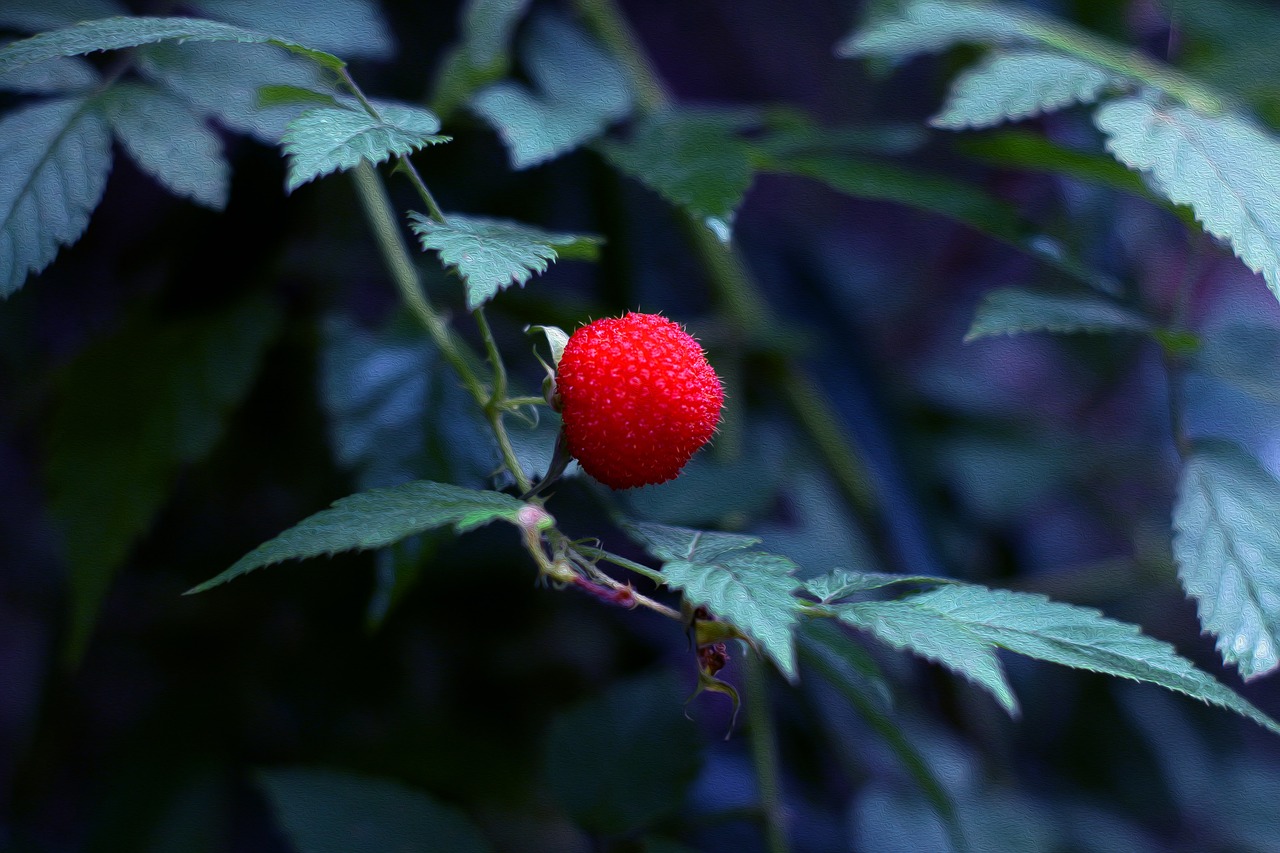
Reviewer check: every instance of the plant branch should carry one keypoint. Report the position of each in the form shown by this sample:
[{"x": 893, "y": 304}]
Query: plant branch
[
  {"x": 764, "y": 752},
  {"x": 495, "y": 408}
]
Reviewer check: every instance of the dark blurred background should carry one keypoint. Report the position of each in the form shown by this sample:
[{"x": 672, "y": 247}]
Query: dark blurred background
[{"x": 1038, "y": 463}]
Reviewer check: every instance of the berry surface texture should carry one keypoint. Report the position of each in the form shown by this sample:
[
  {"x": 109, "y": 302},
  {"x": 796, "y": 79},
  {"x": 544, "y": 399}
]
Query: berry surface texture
[{"x": 638, "y": 398}]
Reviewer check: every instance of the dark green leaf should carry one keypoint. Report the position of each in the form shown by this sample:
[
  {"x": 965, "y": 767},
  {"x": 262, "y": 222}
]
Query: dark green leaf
[
  {"x": 695, "y": 159},
  {"x": 842, "y": 583},
  {"x": 134, "y": 409},
  {"x": 1246, "y": 356},
  {"x": 956, "y": 621},
  {"x": 118, "y": 33},
  {"x": 328, "y": 139},
  {"x": 1223, "y": 167},
  {"x": 284, "y": 95},
  {"x": 1022, "y": 149},
  {"x": 1016, "y": 85},
  {"x": 348, "y": 28},
  {"x": 66, "y": 74},
  {"x": 579, "y": 91},
  {"x": 1227, "y": 544},
  {"x": 375, "y": 519},
  {"x": 1012, "y": 311},
  {"x": 56, "y": 156},
  {"x": 492, "y": 254},
  {"x": 482, "y": 57},
  {"x": 33, "y": 16},
  {"x": 625, "y": 760},
  {"x": 169, "y": 142},
  {"x": 322, "y": 811}
]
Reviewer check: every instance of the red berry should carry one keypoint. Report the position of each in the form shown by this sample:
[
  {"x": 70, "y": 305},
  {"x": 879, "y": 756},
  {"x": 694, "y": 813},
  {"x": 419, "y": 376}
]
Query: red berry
[{"x": 638, "y": 399}]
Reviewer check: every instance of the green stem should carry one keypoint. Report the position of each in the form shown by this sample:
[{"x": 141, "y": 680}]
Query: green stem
[
  {"x": 817, "y": 417},
  {"x": 495, "y": 408},
  {"x": 764, "y": 751},
  {"x": 623, "y": 562},
  {"x": 603, "y": 19}
]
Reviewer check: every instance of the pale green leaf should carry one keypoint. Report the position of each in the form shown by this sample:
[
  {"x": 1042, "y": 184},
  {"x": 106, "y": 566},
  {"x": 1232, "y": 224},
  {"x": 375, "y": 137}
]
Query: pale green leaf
[
  {"x": 492, "y": 254},
  {"x": 328, "y": 139},
  {"x": 169, "y": 142},
  {"x": 64, "y": 74},
  {"x": 324, "y": 811},
  {"x": 937, "y": 637},
  {"x": 1247, "y": 356},
  {"x": 841, "y": 583},
  {"x": 133, "y": 410},
  {"x": 225, "y": 80},
  {"x": 557, "y": 340},
  {"x": 579, "y": 90},
  {"x": 119, "y": 33},
  {"x": 348, "y": 28},
  {"x": 1034, "y": 626},
  {"x": 931, "y": 26},
  {"x": 695, "y": 159},
  {"x": 1227, "y": 544},
  {"x": 608, "y": 776},
  {"x": 375, "y": 519},
  {"x": 1016, "y": 85},
  {"x": 1012, "y": 311},
  {"x": 56, "y": 157},
  {"x": 681, "y": 543},
  {"x": 33, "y": 16},
  {"x": 1224, "y": 167},
  {"x": 483, "y": 55}
]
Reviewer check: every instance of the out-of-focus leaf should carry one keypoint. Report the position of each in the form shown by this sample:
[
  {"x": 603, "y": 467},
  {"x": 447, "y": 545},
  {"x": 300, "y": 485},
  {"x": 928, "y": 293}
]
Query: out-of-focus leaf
[
  {"x": 492, "y": 254},
  {"x": 169, "y": 142},
  {"x": 482, "y": 57},
  {"x": 961, "y": 618},
  {"x": 1222, "y": 166},
  {"x": 323, "y": 811},
  {"x": 119, "y": 33},
  {"x": 624, "y": 760},
  {"x": 931, "y": 26},
  {"x": 1016, "y": 85},
  {"x": 579, "y": 91},
  {"x": 1247, "y": 357},
  {"x": 1026, "y": 150},
  {"x": 66, "y": 74},
  {"x": 842, "y": 583},
  {"x": 56, "y": 157},
  {"x": 329, "y": 139},
  {"x": 375, "y": 519},
  {"x": 1227, "y": 544},
  {"x": 1012, "y": 311},
  {"x": 134, "y": 409},
  {"x": 33, "y": 16},
  {"x": 347, "y": 28}
]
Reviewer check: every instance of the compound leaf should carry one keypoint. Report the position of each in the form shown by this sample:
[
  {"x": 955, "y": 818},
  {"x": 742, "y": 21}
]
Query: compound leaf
[
  {"x": 323, "y": 811},
  {"x": 1012, "y": 311},
  {"x": 375, "y": 519},
  {"x": 327, "y": 139},
  {"x": 169, "y": 142},
  {"x": 56, "y": 157},
  {"x": 1016, "y": 85},
  {"x": 1222, "y": 166},
  {"x": 492, "y": 254},
  {"x": 579, "y": 91},
  {"x": 1227, "y": 545}
]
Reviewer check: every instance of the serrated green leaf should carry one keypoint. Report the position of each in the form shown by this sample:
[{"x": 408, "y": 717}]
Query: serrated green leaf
[
  {"x": 1015, "y": 85},
  {"x": 1065, "y": 634},
  {"x": 223, "y": 81},
  {"x": 133, "y": 410},
  {"x": 1246, "y": 356},
  {"x": 328, "y": 139},
  {"x": 57, "y": 154},
  {"x": 492, "y": 254},
  {"x": 624, "y": 760},
  {"x": 1227, "y": 544},
  {"x": 119, "y": 33},
  {"x": 935, "y": 636},
  {"x": 1012, "y": 311},
  {"x": 841, "y": 583},
  {"x": 169, "y": 142},
  {"x": 33, "y": 16},
  {"x": 682, "y": 543},
  {"x": 931, "y": 26},
  {"x": 1223, "y": 167},
  {"x": 375, "y": 519},
  {"x": 324, "y": 811},
  {"x": 695, "y": 159},
  {"x": 579, "y": 91},
  {"x": 349, "y": 28},
  {"x": 64, "y": 75}
]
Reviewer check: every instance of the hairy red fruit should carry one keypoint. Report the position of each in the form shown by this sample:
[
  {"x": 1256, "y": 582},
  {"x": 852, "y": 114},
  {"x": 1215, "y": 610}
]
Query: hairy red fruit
[{"x": 638, "y": 399}]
